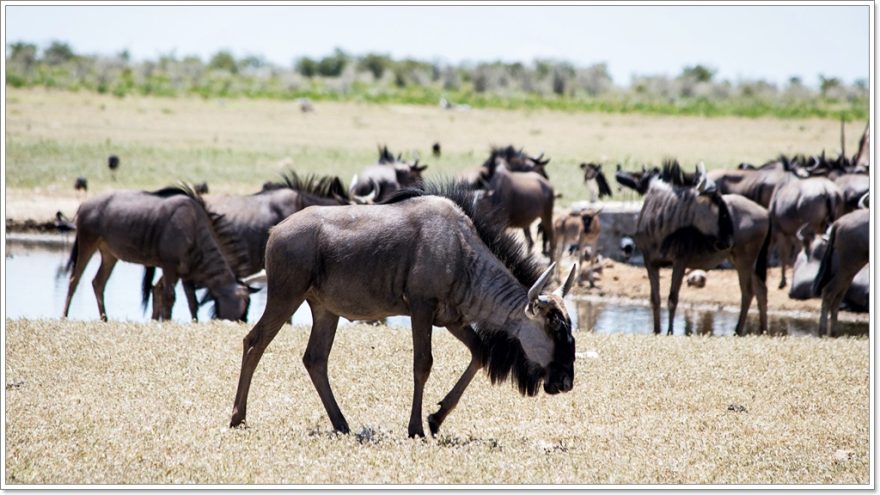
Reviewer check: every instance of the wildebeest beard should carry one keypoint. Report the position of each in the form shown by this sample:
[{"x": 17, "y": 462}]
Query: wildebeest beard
[{"x": 503, "y": 357}]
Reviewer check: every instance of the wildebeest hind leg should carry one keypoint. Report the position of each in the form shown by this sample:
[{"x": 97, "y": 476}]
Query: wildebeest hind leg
[
  {"x": 85, "y": 248},
  {"x": 760, "y": 289},
  {"x": 108, "y": 261},
  {"x": 674, "y": 288},
  {"x": 279, "y": 307},
  {"x": 470, "y": 339},
  {"x": 315, "y": 360}
]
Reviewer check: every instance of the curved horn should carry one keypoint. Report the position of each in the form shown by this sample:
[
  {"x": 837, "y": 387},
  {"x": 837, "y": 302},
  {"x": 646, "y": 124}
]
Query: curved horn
[
  {"x": 256, "y": 278},
  {"x": 564, "y": 288},
  {"x": 864, "y": 201},
  {"x": 539, "y": 285}
]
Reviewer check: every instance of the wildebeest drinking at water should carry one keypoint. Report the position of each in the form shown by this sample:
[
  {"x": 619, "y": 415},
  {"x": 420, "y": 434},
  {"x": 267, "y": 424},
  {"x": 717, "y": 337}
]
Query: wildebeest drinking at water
[
  {"x": 429, "y": 257},
  {"x": 170, "y": 229}
]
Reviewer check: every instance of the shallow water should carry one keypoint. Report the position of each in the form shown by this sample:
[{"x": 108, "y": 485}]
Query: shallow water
[{"x": 37, "y": 286}]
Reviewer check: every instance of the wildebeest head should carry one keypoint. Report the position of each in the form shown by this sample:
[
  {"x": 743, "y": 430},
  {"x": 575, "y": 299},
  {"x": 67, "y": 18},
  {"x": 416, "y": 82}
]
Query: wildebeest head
[
  {"x": 232, "y": 303},
  {"x": 516, "y": 160},
  {"x": 548, "y": 311},
  {"x": 409, "y": 174},
  {"x": 637, "y": 181}
]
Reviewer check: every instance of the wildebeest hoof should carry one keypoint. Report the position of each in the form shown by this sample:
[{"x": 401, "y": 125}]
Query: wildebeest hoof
[
  {"x": 433, "y": 425},
  {"x": 782, "y": 284}
]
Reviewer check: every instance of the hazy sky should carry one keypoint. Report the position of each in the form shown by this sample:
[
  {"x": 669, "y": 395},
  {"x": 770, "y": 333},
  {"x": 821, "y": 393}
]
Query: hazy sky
[{"x": 766, "y": 42}]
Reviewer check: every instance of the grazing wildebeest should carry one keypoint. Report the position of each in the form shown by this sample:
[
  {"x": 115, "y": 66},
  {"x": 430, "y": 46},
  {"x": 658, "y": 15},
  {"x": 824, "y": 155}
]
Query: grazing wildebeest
[
  {"x": 249, "y": 218},
  {"x": 593, "y": 171},
  {"x": 847, "y": 252},
  {"x": 388, "y": 175},
  {"x": 806, "y": 267},
  {"x": 169, "y": 228},
  {"x": 521, "y": 198},
  {"x": 575, "y": 231},
  {"x": 427, "y": 256},
  {"x": 695, "y": 226},
  {"x": 815, "y": 201}
]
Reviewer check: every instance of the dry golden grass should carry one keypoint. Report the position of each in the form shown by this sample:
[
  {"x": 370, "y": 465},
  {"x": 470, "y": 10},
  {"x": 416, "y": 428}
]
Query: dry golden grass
[
  {"x": 236, "y": 145},
  {"x": 132, "y": 403}
]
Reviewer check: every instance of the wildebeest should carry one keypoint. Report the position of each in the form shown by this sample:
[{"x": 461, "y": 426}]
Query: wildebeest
[
  {"x": 249, "y": 218},
  {"x": 847, "y": 252},
  {"x": 62, "y": 223},
  {"x": 853, "y": 187},
  {"x": 425, "y": 256},
  {"x": 694, "y": 226},
  {"x": 815, "y": 201},
  {"x": 435, "y": 149},
  {"x": 806, "y": 268},
  {"x": 593, "y": 172},
  {"x": 169, "y": 228},
  {"x": 516, "y": 160},
  {"x": 575, "y": 231},
  {"x": 756, "y": 184},
  {"x": 521, "y": 198},
  {"x": 386, "y": 177}
]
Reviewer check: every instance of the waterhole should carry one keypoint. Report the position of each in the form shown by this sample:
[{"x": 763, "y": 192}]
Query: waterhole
[{"x": 37, "y": 286}]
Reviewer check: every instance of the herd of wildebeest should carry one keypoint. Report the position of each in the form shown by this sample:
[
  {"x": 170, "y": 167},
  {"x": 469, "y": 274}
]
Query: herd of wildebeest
[{"x": 442, "y": 253}]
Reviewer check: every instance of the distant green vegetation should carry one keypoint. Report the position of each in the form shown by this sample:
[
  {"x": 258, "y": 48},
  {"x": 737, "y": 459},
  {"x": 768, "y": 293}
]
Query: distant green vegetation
[{"x": 377, "y": 78}]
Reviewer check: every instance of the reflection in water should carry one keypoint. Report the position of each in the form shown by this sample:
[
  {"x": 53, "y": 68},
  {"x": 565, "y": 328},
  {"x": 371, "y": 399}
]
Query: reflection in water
[
  {"x": 37, "y": 286},
  {"x": 619, "y": 317}
]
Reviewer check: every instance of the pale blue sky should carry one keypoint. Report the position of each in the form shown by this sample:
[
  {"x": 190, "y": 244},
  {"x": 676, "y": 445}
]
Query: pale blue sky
[{"x": 771, "y": 43}]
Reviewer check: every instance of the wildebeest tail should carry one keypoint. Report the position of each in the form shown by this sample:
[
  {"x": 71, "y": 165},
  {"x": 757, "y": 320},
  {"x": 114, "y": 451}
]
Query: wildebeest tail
[
  {"x": 147, "y": 285},
  {"x": 74, "y": 252},
  {"x": 825, "y": 270},
  {"x": 761, "y": 264}
]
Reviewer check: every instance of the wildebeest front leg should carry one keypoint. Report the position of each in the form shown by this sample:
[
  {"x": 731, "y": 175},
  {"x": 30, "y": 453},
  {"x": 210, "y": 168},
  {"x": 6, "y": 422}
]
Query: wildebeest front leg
[
  {"x": 315, "y": 360},
  {"x": 746, "y": 294},
  {"x": 189, "y": 289},
  {"x": 422, "y": 319},
  {"x": 85, "y": 248},
  {"x": 108, "y": 261},
  {"x": 654, "y": 279},
  {"x": 168, "y": 283},
  {"x": 470, "y": 339},
  {"x": 674, "y": 288}
]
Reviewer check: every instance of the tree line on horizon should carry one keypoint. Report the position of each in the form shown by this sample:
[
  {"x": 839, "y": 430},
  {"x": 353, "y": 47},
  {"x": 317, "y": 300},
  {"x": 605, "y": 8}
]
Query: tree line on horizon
[{"x": 374, "y": 77}]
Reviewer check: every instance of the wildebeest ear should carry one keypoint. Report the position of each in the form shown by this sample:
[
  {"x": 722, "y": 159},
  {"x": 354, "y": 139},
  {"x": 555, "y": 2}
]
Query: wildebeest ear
[{"x": 564, "y": 288}]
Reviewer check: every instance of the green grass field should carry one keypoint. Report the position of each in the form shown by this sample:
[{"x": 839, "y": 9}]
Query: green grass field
[
  {"x": 236, "y": 145},
  {"x": 149, "y": 403}
]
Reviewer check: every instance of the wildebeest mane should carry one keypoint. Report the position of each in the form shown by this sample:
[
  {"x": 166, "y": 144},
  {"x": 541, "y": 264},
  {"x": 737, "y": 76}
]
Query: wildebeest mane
[
  {"x": 503, "y": 245},
  {"x": 671, "y": 173},
  {"x": 231, "y": 246},
  {"x": 326, "y": 186},
  {"x": 503, "y": 357}
]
